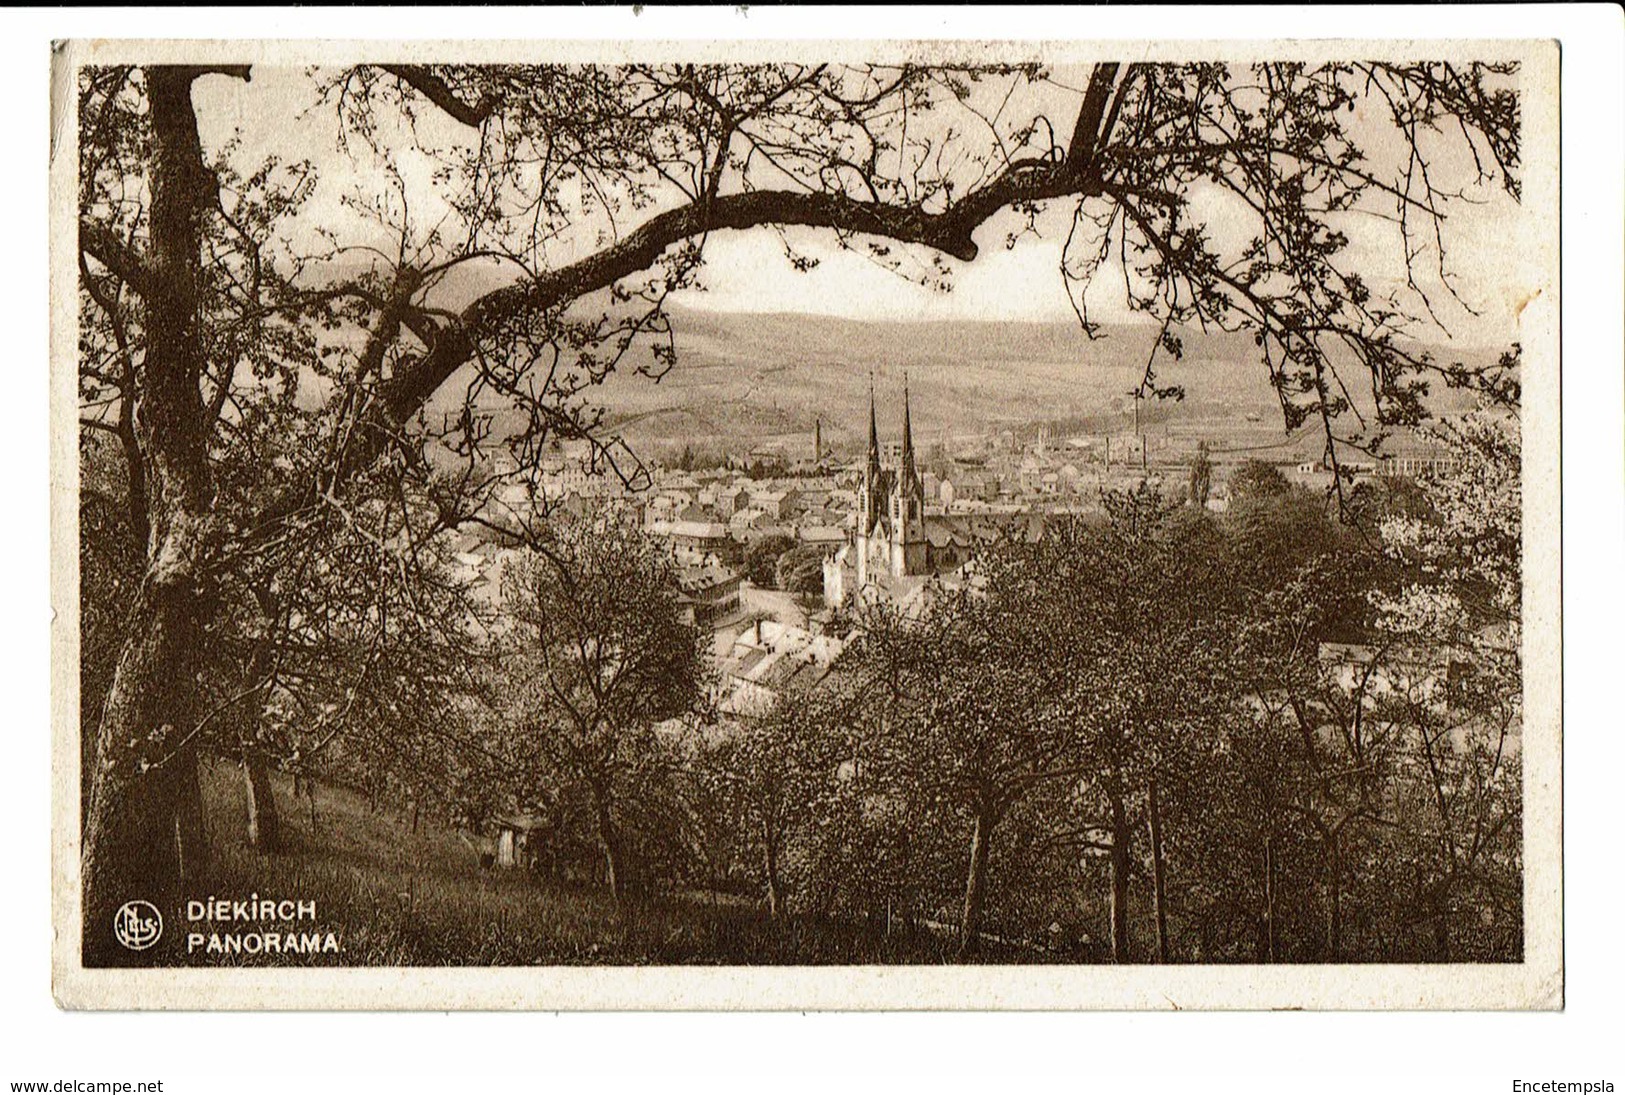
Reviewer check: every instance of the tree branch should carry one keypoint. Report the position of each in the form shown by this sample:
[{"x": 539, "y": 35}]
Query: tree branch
[
  {"x": 1086, "y": 135},
  {"x": 437, "y": 91},
  {"x": 122, "y": 260},
  {"x": 950, "y": 231}
]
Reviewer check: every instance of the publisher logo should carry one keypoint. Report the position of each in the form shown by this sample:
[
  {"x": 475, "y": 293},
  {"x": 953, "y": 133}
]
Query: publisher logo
[{"x": 138, "y": 924}]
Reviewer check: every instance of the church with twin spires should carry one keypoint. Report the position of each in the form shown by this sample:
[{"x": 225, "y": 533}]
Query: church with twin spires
[
  {"x": 897, "y": 552},
  {"x": 890, "y": 538}
]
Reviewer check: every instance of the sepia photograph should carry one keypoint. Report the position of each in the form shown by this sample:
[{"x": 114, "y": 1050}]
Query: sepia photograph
[{"x": 817, "y": 524}]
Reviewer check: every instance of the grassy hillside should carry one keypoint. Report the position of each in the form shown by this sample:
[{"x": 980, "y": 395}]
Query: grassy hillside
[
  {"x": 422, "y": 900},
  {"x": 767, "y": 377}
]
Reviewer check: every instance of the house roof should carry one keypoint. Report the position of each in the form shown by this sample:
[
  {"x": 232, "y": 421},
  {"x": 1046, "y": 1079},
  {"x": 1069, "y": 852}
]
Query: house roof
[
  {"x": 708, "y": 576},
  {"x": 699, "y": 530},
  {"x": 822, "y": 534}
]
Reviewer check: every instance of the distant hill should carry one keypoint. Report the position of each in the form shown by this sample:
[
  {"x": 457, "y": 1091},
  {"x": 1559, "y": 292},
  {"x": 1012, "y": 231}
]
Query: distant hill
[{"x": 744, "y": 379}]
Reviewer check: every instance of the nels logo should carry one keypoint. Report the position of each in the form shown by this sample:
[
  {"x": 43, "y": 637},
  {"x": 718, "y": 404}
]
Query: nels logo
[{"x": 138, "y": 924}]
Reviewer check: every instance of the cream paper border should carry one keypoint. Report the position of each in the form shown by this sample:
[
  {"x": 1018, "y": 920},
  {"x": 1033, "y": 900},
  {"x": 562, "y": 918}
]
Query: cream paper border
[{"x": 1536, "y": 983}]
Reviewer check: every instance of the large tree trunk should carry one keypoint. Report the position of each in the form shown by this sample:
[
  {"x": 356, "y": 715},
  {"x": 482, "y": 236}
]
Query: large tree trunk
[
  {"x": 143, "y": 831},
  {"x": 1120, "y": 869},
  {"x": 1159, "y": 879},
  {"x": 970, "y": 924}
]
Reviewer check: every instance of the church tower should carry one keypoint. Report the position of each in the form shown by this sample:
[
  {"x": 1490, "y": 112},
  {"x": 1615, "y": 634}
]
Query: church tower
[
  {"x": 871, "y": 495},
  {"x": 907, "y": 505},
  {"x": 890, "y": 533}
]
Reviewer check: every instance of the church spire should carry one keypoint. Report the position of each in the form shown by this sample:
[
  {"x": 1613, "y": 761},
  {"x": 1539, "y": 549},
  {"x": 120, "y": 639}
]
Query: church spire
[
  {"x": 908, "y": 436},
  {"x": 874, "y": 432}
]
